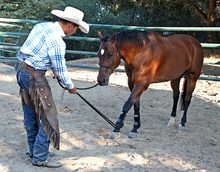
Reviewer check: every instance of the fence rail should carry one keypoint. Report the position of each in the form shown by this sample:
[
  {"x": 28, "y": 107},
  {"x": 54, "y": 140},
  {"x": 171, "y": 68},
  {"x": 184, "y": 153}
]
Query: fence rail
[
  {"x": 14, "y": 23},
  {"x": 213, "y": 29}
]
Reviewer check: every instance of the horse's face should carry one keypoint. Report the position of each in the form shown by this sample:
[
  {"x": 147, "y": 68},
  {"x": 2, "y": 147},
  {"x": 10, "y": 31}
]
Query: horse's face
[{"x": 108, "y": 59}]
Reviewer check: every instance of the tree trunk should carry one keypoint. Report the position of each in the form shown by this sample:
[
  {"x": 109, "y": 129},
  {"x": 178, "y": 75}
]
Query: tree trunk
[{"x": 209, "y": 18}]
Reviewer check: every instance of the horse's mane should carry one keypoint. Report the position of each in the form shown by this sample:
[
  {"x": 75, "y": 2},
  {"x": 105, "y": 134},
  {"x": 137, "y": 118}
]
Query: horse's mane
[{"x": 134, "y": 37}]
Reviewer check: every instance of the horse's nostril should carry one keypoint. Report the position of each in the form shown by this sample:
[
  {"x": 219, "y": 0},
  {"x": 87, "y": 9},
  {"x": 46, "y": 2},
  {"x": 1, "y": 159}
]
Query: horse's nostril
[
  {"x": 103, "y": 80},
  {"x": 100, "y": 82}
]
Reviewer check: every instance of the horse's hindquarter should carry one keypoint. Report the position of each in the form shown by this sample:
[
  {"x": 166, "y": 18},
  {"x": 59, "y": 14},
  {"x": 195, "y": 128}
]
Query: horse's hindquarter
[
  {"x": 192, "y": 52},
  {"x": 170, "y": 57}
]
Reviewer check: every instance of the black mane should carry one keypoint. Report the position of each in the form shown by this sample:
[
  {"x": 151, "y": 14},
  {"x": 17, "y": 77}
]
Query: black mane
[{"x": 135, "y": 37}]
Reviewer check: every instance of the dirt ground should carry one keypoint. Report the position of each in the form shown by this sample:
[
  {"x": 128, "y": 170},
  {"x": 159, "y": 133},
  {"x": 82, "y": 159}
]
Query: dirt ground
[{"x": 86, "y": 145}]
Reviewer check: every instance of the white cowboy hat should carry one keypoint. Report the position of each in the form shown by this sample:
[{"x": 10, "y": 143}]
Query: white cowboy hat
[{"x": 73, "y": 15}]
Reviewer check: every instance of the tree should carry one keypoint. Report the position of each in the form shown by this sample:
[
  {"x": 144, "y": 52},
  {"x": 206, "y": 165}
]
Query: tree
[
  {"x": 170, "y": 13},
  {"x": 28, "y": 9},
  {"x": 209, "y": 13}
]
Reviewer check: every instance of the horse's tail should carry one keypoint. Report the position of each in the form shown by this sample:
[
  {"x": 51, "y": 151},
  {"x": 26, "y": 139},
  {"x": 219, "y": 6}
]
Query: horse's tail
[{"x": 183, "y": 95}]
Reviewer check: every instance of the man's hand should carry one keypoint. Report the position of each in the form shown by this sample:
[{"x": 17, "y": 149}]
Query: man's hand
[{"x": 72, "y": 90}]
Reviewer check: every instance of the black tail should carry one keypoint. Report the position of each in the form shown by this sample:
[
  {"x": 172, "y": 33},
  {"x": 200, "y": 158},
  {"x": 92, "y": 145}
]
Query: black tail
[{"x": 183, "y": 95}]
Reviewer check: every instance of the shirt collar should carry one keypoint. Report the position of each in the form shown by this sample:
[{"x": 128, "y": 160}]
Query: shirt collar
[{"x": 59, "y": 29}]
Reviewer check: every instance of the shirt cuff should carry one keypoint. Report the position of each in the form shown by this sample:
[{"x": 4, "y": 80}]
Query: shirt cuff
[{"x": 70, "y": 86}]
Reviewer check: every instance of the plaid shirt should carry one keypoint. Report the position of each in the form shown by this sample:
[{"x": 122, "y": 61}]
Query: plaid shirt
[{"x": 45, "y": 48}]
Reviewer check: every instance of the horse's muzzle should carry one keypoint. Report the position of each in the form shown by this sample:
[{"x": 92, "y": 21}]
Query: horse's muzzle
[{"x": 103, "y": 81}]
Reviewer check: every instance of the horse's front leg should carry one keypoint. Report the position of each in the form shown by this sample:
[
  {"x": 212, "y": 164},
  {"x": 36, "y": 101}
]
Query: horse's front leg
[
  {"x": 137, "y": 120},
  {"x": 120, "y": 121},
  {"x": 134, "y": 98}
]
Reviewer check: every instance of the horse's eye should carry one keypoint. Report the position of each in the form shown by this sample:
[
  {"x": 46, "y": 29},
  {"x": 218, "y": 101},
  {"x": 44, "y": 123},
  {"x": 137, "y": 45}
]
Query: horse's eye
[{"x": 110, "y": 55}]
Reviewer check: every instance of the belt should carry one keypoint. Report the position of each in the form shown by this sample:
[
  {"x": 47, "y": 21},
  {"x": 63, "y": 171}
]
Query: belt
[{"x": 34, "y": 72}]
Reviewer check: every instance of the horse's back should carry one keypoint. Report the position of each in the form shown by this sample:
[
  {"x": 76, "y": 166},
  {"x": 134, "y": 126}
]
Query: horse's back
[
  {"x": 185, "y": 42},
  {"x": 188, "y": 41},
  {"x": 172, "y": 56},
  {"x": 182, "y": 45}
]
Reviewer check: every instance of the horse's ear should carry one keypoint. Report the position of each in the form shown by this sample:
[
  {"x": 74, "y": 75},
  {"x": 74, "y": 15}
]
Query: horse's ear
[
  {"x": 113, "y": 37},
  {"x": 100, "y": 35}
]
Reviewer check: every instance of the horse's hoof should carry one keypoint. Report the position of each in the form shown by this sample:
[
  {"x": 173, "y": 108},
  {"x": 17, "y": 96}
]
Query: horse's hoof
[
  {"x": 115, "y": 135},
  {"x": 171, "y": 122},
  {"x": 132, "y": 134},
  {"x": 181, "y": 128}
]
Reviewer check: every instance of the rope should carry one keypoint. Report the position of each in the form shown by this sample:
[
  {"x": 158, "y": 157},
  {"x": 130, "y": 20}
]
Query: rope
[
  {"x": 101, "y": 114},
  {"x": 93, "y": 107},
  {"x": 79, "y": 88},
  {"x": 86, "y": 88}
]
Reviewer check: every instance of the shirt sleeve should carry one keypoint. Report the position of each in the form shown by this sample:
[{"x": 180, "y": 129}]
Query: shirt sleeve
[{"x": 56, "y": 54}]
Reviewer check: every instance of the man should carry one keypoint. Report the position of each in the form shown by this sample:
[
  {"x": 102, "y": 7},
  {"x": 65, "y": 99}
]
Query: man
[{"x": 45, "y": 49}]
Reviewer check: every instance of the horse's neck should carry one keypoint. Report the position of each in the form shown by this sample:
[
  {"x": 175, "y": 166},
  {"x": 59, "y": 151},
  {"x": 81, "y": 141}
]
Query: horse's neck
[
  {"x": 118, "y": 49},
  {"x": 122, "y": 51},
  {"x": 124, "y": 57}
]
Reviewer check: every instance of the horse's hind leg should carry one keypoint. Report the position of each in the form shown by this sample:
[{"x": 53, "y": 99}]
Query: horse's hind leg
[
  {"x": 186, "y": 96},
  {"x": 175, "y": 87},
  {"x": 137, "y": 122}
]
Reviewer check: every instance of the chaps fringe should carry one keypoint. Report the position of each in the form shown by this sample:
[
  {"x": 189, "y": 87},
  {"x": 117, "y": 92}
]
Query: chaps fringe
[{"x": 45, "y": 108}]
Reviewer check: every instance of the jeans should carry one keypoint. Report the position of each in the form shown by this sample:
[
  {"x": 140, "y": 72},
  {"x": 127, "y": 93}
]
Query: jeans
[{"x": 37, "y": 139}]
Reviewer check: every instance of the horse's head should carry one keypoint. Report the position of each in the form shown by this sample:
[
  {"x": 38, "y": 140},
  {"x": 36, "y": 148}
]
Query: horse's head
[{"x": 108, "y": 58}]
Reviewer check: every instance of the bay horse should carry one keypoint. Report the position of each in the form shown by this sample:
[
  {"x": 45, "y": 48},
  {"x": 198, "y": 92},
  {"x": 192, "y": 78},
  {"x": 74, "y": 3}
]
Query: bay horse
[{"x": 151, "y": 58}]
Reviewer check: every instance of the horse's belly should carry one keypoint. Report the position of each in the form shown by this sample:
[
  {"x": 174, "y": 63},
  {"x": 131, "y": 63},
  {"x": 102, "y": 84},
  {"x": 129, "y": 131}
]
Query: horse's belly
[
  {"x": 169, "y": 71},
  {"x": 164, "y": 78}
]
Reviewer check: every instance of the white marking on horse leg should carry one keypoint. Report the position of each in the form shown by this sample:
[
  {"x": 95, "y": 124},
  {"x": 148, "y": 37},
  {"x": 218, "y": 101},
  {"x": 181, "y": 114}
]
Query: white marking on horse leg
[
  {"x": 171, "y": 122},
  {"x": 115, "y": 135},
  {"x": 181, "y": 128},
  {"x": 132, "y": 135}
]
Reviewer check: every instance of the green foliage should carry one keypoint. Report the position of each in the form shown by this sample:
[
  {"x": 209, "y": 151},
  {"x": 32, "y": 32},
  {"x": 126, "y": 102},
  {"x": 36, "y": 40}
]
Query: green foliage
[
  {"x": 28, "y": 9},
  {"x": 167, "y": 13},
  {"x": 116, "y": 12},
  {"x": 154, "y": 13}
]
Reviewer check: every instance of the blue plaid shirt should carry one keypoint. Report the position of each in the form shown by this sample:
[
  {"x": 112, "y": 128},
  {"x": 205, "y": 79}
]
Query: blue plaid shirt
[{"x": 45, "y": 48}]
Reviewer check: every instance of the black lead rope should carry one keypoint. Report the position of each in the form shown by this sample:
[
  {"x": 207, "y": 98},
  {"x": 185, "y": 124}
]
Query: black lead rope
[
  {"x": 101, "y": 114},
  {"x": 78, "y": 88},
  {"x": 94, "y": 108}
]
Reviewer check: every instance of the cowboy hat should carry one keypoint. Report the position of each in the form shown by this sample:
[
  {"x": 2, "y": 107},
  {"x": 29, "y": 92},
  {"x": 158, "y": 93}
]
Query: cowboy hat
[{"x": 73, "y": 15}]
